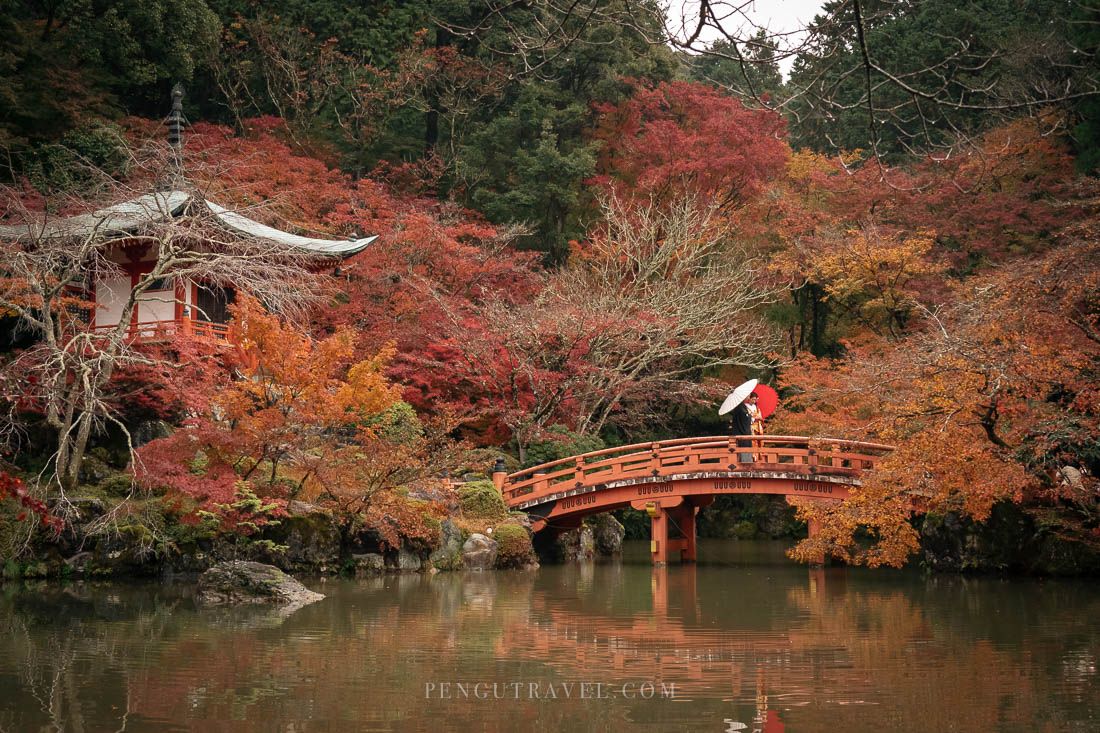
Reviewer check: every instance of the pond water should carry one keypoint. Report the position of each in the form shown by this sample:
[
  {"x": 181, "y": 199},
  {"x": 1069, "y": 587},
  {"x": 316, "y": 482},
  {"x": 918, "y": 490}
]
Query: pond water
[{"x": 745, "y": 640}]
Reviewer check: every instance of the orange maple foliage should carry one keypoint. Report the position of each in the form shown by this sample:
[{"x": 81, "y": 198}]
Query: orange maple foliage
[
  {"x": 305, "y": 421},
  {"x": 868, "y": 273},
  {"x": 299, "y": 392},
  {"x": 995, "y": 397}
]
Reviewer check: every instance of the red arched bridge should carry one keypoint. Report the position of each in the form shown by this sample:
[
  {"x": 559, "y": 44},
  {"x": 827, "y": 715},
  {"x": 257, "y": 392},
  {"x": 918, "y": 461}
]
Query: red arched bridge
[{"x": 672, "y": 479}]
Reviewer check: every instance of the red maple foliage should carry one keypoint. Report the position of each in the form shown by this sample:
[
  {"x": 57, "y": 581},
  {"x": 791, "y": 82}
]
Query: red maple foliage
[
  {"x": 14, "y": 489},
  {"x": 680, "y": 136}
]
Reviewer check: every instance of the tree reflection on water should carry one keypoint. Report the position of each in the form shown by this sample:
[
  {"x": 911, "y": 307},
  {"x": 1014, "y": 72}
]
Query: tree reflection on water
[{"x": 775, "y": 647}]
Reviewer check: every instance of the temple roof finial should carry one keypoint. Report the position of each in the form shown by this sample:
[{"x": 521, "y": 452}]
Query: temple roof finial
[
  {"x": 175, "y": 118},
  {"x": 173, "y": 176}
]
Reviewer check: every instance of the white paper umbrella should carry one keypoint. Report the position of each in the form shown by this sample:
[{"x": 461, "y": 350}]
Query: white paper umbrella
[{"x": 738, "y": 396}]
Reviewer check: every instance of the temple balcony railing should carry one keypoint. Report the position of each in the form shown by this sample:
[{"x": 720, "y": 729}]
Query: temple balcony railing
[{"x": 188, "y": 328}]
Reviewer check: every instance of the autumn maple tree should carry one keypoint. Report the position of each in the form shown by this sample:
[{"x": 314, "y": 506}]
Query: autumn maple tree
[
  {"x": 992, "y": 397},
  {"x": 275, "y": 422},
  {"x": 304, "y": 421},
  {"x": 625, "y": 325},
  {"x": 680, "y": 137}
]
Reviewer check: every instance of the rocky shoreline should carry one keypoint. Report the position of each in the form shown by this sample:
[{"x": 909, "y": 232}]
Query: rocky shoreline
[
  {"x": 309, "y": 541},
  {"x": 312, "y": 541}
]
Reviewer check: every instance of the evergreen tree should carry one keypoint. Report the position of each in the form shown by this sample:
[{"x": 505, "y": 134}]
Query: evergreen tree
[{"x": 755, "y": 76}]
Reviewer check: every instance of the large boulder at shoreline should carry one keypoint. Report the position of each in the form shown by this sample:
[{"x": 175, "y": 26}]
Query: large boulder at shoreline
[
  {"x": 576, "y": 544},
  {"x": 371, "y": 563},
  {"x": 312, "y": 538},
  {"x": 514, "y": 549},
  {"x": 448, "y": 556},
  {"x": 479, "y": 552},
  {"x": 407, "y": 561},
  {"x": 1008, "y": 541},
  {"x": 608, "y": 534},
  {"x": 238, "y": 582}
]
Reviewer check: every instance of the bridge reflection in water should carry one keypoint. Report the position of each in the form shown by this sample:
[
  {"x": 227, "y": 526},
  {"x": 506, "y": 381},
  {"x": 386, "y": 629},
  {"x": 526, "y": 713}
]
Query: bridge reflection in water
[
  {"x": 671, "y": 646},
  {"x": 746, "y": 637},
  {"x": 672, "y": 480}
]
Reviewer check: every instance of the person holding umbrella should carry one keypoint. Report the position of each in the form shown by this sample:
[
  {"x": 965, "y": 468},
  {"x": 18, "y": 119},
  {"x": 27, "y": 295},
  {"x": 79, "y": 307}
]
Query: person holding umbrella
[
  {"x": 750, "y": 403},
  {"x": 741, "y": 418},
  {"x": 757, "y": 418},
  {"x": 743, "y": 425}
]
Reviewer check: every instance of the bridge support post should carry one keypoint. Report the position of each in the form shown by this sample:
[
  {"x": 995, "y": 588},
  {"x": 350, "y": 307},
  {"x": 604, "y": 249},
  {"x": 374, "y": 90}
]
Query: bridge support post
[
  {"x": 658, "y": 544},
  {"x": 684, "y": 518},
  {"x": 664, "y": 519}
]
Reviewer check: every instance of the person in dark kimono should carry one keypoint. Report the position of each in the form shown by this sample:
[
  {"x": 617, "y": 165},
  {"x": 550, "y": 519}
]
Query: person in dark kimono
[{"x": 742, "y": 425}]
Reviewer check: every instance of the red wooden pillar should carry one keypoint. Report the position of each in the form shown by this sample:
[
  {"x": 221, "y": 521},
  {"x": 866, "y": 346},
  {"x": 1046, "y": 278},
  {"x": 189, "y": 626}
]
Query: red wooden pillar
[
  {"x": 500, "y": 475},
  {"x": 658, "y": 545},
  {"x": 664, "y": 517},
  {"x": 682, "y": 520},
  {"x": 686, "y": 520}
]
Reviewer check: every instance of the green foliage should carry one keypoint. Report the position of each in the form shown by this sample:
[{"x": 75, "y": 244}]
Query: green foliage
[
  {"x": 758, "y": 76},
  {"x": 1085, "y": 35},
  {"x": 528, "y": 164},
  {"x": 65, "y": 62},
  {"x": 746, "y": 517},
  {"x": 744, "y": 530},
  {"x": 979, "y": 55},
  {"x": 561, "y": 443},
  {"x": 514, "y": 547},
  {"x": 398, "y": 424},
  {"x": 374, "y": 32},
  {"x": 79, "y": 160},
  {"x": 481, "y": 500},
  {"x": 635, "y": 521}
]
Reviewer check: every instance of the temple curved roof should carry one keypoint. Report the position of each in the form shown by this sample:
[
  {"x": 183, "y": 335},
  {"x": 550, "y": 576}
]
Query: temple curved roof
[{"x": 130, "y": 216}]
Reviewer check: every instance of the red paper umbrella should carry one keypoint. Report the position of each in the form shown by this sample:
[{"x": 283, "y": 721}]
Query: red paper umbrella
[{"x": 768, "y": 399}]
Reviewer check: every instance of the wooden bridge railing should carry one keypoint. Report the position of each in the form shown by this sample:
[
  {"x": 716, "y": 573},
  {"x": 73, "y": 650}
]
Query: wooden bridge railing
[{"x": 772, "y": 453}]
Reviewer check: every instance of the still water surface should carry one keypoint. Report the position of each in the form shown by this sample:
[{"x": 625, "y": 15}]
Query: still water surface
[{"x": 744, "y": 638}]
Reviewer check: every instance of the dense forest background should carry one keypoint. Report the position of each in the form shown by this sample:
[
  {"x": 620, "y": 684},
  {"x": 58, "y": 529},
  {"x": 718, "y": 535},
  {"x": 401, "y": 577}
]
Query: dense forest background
[{"x": 592, "y": 224}]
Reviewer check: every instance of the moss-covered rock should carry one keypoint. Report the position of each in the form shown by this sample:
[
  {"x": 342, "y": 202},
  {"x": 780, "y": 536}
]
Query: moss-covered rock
[
  {"x": 448, "y": 556},
  {"x": 370, "y": 563},
  {"x": 251, "y": 582},
  {"x": 607, "y": 533},
  {"x": 479, "y": 552},
  {"x": 116, "y": 485},
  {"x": 1010, "y": 540},
  {"x": 95, "y": 469},
  {"x": 571, "y": 546},
  {"x": 404, "y": 560},
  {"x": 311, "y": 541},
  {"x": 514, "y": 549},
  {"x": 481, "y": 500}
]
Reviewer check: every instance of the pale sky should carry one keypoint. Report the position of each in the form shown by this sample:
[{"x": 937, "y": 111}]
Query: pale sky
[{"x": 778, "y": 16}]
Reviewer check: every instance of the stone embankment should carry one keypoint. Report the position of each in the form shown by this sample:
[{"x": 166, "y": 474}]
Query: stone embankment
[{"x": 310, "y": 541}]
